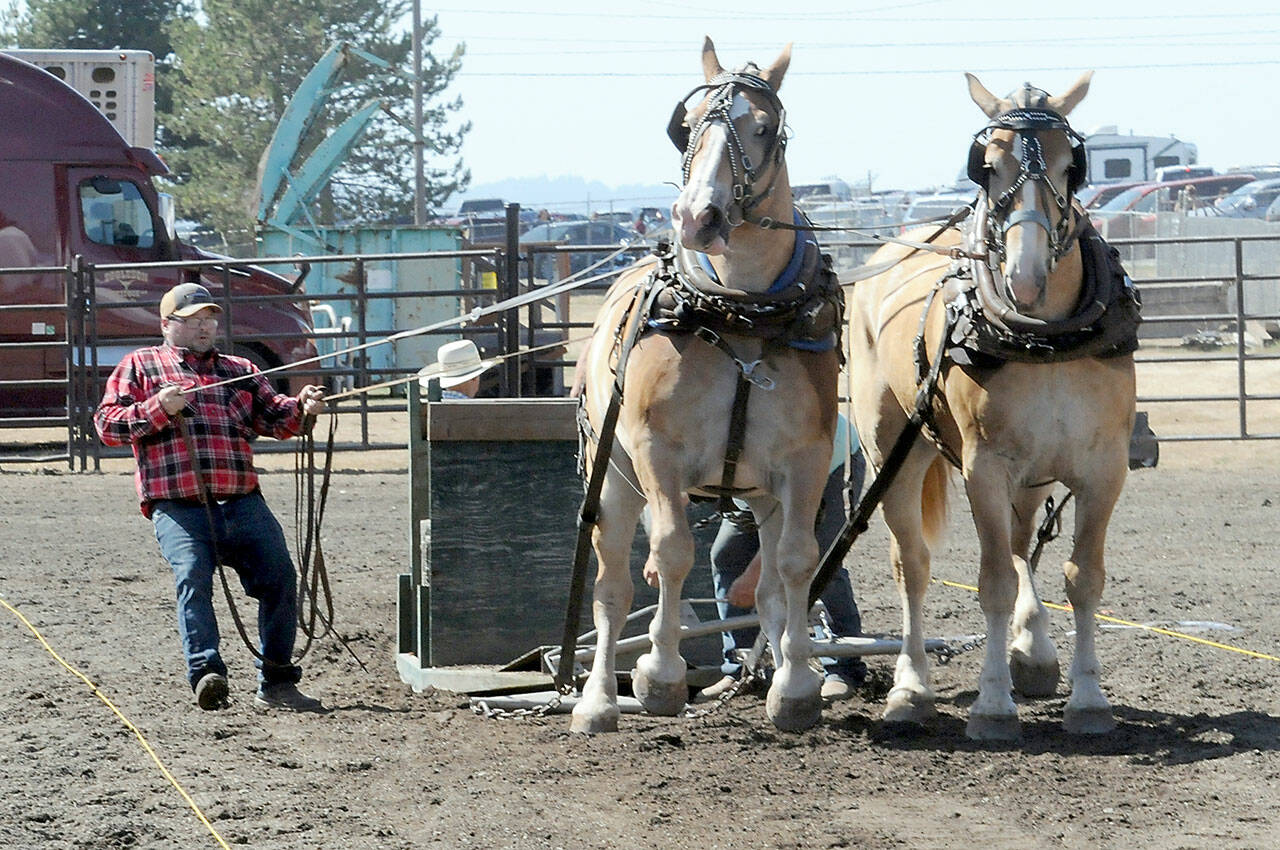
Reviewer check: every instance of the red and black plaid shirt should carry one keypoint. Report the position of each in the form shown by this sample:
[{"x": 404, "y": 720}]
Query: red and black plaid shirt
[{"x": 221, "y": 421}]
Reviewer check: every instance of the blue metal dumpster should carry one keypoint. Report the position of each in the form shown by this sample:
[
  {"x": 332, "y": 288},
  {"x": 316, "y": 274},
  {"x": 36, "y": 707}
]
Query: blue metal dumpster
[{"x": 383, "y": 315}]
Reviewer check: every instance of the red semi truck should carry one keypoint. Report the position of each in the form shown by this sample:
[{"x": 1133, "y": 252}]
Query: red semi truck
[{"x": 70, "y": 185}]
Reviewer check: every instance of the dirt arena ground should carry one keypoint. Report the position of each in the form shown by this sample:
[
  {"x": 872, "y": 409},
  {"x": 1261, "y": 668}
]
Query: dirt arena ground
[{"x": 1195, "y": 762}]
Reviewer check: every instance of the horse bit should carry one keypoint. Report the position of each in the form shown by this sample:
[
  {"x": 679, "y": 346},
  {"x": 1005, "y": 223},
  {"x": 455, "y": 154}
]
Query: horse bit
[{"x": 724, "y": 90}]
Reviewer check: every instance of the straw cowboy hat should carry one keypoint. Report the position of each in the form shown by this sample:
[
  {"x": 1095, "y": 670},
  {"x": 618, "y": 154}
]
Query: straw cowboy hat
[{"x": 457, "y": 362}]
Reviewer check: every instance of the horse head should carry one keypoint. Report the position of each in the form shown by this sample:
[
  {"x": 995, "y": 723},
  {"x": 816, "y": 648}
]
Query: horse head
[
  {"x": 732, "y": 141},
  {"x": 1028, "y": 162}
]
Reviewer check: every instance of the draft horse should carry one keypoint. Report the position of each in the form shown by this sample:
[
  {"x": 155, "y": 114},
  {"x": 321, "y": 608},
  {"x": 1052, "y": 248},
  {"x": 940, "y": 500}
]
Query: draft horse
[
  {"x": 722, "y": 355},
  {"x": 1015, "y": 355}
]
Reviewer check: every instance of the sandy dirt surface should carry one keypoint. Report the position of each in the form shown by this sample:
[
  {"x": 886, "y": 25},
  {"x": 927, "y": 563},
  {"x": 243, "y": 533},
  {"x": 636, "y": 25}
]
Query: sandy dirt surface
[{"x": 1195, "y": 762}]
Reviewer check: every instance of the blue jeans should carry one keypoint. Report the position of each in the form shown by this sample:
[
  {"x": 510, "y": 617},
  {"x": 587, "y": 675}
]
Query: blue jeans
[
  {"x": 734, "y": 548},
  {"x": 250, "y": 541}
]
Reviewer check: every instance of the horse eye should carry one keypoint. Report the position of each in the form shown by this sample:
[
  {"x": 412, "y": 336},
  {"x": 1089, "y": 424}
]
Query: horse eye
[{"x": 760, "y": 131}]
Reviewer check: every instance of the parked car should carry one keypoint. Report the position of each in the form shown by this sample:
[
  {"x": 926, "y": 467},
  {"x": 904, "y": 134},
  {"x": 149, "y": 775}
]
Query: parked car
[
  {"x": 1273, "y": 211},
  {"x": 558, "y": 233},
  {"x": 1092, "y": 197},
  {"x": 927, "y": 207},
  {"x": 825, "y": 192},
  {"x": 1170, "y": 173},
  {"x": 1251, "y": 200},
  {"x": 1133, "y": 211}
]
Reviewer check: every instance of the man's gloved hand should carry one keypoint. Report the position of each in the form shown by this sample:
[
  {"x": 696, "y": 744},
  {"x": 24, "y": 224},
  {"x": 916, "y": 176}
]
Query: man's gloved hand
[
  {"x": 311, "y": 400},
  {"x": 172, "y": 399}
]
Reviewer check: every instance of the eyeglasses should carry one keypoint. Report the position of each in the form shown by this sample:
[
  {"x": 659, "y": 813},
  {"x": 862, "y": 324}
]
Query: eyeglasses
[{"x": 204, "y": 323}]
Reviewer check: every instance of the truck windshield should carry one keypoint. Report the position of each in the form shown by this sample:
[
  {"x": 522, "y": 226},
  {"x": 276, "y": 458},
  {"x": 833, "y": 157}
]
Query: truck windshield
[{"x": 115, "y": 213}]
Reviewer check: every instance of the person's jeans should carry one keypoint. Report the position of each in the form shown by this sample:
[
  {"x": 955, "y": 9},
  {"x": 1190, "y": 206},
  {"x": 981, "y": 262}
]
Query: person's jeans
[
  {"x": 250, "y": 541},
  {"x": 734, "y": 548}
]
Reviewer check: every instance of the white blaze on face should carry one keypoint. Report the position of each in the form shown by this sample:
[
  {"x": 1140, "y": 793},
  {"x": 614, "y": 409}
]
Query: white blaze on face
[
  {"x": 710, "y": 183},
  {"x": 1027, "y": 244}
]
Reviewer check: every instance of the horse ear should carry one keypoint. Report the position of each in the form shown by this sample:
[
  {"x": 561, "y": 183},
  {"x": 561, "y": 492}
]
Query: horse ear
[
  {"x": 710, "y": 63},
  {"x": 1070, "y": 99},
  {"x": 773, "y": 74},
  {"x": 987, "y": 102}
]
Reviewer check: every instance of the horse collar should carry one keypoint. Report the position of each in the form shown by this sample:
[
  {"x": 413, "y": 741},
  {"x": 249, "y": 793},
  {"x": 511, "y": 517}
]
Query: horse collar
[{"x": 988, "y": 332}]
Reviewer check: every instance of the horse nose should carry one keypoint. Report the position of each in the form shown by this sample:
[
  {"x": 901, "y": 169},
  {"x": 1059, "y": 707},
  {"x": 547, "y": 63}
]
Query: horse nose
[
  {"x": 705, "y": 230},
  {"x": 1027, "y": 290}
]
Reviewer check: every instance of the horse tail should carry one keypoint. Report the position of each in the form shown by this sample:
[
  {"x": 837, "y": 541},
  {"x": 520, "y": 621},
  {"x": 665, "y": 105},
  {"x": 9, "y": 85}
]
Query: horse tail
[{"x": 933, "y": 502}]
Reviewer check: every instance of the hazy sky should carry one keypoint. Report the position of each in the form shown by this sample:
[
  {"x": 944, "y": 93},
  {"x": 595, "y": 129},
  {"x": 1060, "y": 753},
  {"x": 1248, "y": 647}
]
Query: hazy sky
[{"x": 585, "y": 88}]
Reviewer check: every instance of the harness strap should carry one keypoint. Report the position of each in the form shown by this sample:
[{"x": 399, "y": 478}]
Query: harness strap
[{"x": 733, "y": 446}]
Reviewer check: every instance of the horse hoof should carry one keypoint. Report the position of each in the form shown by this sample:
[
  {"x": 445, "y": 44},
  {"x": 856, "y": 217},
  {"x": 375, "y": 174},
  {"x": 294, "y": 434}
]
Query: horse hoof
[
  {"x": 908, "y": 708},
  {"x": 1031, "y": 679},
  {"x": 793, "y": 714},
  {"x": 1088, "y": 721},
  {"x": 666, "y": 699},
  {"x": 590, "y": 721},
  {"x": 993, "y": 727}
]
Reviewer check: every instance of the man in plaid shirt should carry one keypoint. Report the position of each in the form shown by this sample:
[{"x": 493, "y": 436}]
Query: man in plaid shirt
[{"x": 146, "y": 395}]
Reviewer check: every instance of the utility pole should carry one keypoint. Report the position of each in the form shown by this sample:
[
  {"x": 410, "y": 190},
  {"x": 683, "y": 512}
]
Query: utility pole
[{"x": 419, "y": 167}]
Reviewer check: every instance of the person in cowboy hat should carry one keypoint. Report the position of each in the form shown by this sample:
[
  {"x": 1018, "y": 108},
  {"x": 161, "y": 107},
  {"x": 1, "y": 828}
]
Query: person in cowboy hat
[
  {"x": 197, "y": 484},
  {"x": 458, "y": 367}
]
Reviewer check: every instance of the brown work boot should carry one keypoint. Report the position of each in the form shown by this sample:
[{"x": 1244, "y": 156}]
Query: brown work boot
[
  {"x": 211, "y": 691},
  {"x": 286, "y": 697}
]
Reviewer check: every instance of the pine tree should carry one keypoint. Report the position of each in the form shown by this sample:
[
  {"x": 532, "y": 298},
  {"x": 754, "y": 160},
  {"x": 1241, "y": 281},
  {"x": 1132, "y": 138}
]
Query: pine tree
[{"x": 239, "y": 63}]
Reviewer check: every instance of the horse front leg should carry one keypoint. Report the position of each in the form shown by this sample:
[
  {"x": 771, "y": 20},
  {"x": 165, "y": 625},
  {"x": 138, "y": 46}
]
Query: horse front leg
[
  {"x": 911, "y": 700},
  {"x": 994, "y": 715},
  {"x": 620, "y": 508},
  {"x": 658, "y": 679},
  {"x": 794, "y": 701},
  {"x": 1088, "y": 711},
  {"x": 1033, "y": 659}
]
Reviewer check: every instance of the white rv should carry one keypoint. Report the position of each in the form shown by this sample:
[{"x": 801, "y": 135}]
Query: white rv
[{"x": 1118, "y": 158}]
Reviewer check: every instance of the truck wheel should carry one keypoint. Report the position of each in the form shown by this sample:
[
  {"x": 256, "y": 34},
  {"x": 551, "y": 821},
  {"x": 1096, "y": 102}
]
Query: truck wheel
[{"x": 278, "y": 379}]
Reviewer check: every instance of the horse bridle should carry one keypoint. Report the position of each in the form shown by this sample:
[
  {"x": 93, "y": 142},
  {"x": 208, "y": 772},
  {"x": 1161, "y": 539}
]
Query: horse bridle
[
  {"x": 1025, "y": 122},
  {"x": 723, "y": 89}
]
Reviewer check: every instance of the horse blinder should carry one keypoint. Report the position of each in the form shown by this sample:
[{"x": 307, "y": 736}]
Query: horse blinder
[
  {"x": 678, "y": 128},
  {"x": 1077, "y": 172}
]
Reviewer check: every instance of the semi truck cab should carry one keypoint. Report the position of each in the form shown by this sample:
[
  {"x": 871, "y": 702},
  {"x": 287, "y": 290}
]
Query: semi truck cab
[{"x": 71, "y": 185}]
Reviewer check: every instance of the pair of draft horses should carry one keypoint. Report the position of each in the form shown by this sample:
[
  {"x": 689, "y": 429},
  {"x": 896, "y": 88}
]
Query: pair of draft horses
[{"x": 741, "y": 323}]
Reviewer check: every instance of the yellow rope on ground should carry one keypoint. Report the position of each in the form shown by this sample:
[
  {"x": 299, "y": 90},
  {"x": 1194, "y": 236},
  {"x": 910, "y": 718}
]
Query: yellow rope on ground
[
  {"x": 134, "y": 729},
  {"x": 1155, "y": 629}
]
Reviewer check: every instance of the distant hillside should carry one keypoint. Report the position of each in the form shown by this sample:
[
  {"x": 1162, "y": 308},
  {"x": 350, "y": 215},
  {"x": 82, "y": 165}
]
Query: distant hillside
[{"x": 569, "y": 194}]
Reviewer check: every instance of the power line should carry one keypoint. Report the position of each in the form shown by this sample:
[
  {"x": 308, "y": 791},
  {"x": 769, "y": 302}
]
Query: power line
[
  {"x": 799, "y": 18},
  {"x": 873, "y": 72},
  {"x": 1184, "y": 40}
]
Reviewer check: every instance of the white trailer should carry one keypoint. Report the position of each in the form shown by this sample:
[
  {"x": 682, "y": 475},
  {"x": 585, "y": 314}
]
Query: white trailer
[
  {"x": 120, "y": 83},
  {"x": 1115, "y": 157}
]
